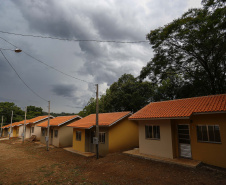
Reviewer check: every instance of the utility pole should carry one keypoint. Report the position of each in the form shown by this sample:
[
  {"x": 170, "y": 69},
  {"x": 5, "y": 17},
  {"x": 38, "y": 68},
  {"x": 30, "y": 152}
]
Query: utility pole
[
  {"x": 11, "y": 124},
  {"x": 24, "y": 124},
  {"x": 97, "y": 126},
  {"x": 1, "y": 127},
  {"x": 47, "y": 137}
]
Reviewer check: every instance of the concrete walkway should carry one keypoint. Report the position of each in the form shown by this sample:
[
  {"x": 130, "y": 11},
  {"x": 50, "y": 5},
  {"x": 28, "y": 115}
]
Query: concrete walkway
[
  {"x": 180, "y": 161},
  {"x": 86, "y": 154},
  {"x": 4, "y": 138}
]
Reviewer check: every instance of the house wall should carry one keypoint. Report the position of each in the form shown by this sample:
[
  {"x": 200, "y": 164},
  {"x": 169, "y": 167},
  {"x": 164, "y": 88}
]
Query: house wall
[
  {"x": 65, "y": 135},
  {"x": 21, "y": 127},
  {"x": 123, "y": 135},
  {"x": 5, "y": 132},
  {"x": 28, "y": 131},
  {"x": 15, "y": 132},
  {"x": 162, "y": 147},
  {"x": 79, "y": 145},
  {"x": 103, "y": 147},
  {"x": 210, "y": 153}
]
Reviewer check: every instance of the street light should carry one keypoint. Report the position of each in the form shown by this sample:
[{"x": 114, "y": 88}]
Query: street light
[{"x": 17, "y": 50}]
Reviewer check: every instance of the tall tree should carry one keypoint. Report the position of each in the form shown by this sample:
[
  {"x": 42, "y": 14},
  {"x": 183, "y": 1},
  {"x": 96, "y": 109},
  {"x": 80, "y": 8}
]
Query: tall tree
[
  {"x": 6, "y": 109},
  {"x": 127, "y": 94},
  {"x": 193, "y": 47},
  {"x": 33, "y": 111}
]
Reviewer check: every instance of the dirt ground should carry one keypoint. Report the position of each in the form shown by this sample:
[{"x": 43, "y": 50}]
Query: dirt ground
[{"x": 30, "y": 163}]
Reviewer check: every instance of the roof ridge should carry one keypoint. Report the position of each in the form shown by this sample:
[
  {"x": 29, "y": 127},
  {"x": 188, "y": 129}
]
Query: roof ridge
[{"x": 188, "y": 98}]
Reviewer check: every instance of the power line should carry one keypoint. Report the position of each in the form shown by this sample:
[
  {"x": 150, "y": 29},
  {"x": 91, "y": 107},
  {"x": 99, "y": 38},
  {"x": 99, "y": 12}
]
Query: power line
[
  {"x": 21, "y": 78},
  {"x": 49, "y": 65},
  {"x": 57, "y": 69},
  {"x": 77, "y": 40}
]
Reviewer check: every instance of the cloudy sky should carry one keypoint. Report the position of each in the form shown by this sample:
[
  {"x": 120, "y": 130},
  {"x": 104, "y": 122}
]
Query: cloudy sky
[{"x": 102, "y": 63}]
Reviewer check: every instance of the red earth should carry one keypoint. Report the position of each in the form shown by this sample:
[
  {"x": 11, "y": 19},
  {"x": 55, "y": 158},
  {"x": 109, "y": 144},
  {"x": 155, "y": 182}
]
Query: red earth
[{"x": 30, "y": 163}]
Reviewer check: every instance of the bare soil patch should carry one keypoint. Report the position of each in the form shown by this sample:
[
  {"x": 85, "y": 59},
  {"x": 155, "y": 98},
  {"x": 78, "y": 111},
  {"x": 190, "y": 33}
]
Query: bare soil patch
[{"x": 30, "y": 163}]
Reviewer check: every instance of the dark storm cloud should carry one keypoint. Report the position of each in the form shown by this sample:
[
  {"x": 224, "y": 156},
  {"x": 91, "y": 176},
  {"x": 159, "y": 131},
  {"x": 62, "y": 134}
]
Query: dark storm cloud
[
  {"x": 64, "y": 90},
  {"x": 102, "y": 63}
]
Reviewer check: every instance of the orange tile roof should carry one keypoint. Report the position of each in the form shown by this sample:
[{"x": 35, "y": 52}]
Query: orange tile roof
[
  {"x": 182, "y": 107},
  {"x": 39, "y": 118},
  {"x": 57, "y": 121},
  {"x": 105, "y": 119}
]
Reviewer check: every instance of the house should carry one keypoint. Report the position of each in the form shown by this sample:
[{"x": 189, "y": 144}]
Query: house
[
  {"x": 14, "y": 132},
  {"x": 31, "y": 127},
  {"x": 116, "y": 133},
  {"x": 193, "y": 128},
  {"x": 59, "y": 134}
]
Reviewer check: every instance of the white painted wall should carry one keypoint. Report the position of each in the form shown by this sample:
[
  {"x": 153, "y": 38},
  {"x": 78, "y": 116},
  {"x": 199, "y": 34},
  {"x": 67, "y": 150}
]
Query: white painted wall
[{"x": 162, "y": 147}]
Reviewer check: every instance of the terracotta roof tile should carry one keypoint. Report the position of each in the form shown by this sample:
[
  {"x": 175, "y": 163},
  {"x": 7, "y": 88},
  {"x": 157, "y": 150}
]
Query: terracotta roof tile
[
  {"x": 105, "y": 119},
  {"x": 57, "y": 121},
  {"x": 182, "y": 107},
  {"x": 39, "y": 118}
]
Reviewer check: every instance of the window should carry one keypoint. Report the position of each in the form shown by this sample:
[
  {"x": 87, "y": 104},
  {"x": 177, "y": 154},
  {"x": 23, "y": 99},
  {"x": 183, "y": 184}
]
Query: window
[
  {"x": 208, "y": 133},
  {"x": 32, "y": 129},
  {"x": 43, "y": 132},
  {"x": 152, "y": 132},
  {"x": 55, "y": 133},
  {"x": 78, "y": 135},
  {"x": 102, "y": 137}
]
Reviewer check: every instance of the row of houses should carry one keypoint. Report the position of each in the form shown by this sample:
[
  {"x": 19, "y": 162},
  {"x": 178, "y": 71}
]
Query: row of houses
[{"x": 193, "y": 128}]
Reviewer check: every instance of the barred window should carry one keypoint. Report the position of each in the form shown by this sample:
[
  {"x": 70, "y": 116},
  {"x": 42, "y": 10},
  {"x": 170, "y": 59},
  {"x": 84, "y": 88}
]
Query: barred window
[
  {"x": 78, "y": 135},
  {"x": 152, "y": 132},
  {"x": 55, "y": 133},
  {"x": 102, "y": 137},
  {"x": 43, "y": 132},
  {"x": 208, "y": 133}
]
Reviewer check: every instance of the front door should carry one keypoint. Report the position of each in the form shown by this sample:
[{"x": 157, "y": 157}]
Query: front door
[
  {"x": 184, "y": 141},
  {"x": 51, "y": 137},
  {"x": 92, "y": 146}
]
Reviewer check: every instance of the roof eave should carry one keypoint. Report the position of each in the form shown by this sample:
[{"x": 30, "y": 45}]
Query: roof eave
[
  {"x": 138, "y": 119},
  {"x": 68, "y": 121}
]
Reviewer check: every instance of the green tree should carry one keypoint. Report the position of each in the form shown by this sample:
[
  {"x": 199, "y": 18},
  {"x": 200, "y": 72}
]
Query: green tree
[
  {"x": 6, "y": 109},
  {"x": 33, "y": 111},
  {"x": 90, "y": 108},
  {"x": 127, "y": 94},
  {"x": 193, "y": 47}
]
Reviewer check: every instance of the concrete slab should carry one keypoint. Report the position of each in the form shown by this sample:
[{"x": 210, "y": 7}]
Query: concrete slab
[
  {"x": 180, "y": 161},
  {"x": 6, "y": 138},
  {"x": 86, "y": 154}
]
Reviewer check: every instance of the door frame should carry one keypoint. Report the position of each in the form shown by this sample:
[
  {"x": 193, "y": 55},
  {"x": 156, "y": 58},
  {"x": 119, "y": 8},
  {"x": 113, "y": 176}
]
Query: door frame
[{"x": 179, "y": 149}]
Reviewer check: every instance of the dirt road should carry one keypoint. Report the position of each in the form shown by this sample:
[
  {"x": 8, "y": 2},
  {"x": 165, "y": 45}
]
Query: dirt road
[{"x": 30, "y": 163}]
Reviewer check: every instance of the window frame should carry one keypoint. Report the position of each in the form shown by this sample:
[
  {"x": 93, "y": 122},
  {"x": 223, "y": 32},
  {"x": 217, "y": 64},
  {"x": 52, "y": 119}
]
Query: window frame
[
  {"x": 152, "y": 135},
  {"x": 101, "y": 134},
  {"x": 43, "y": 131},
  {"x": 200, "y": 127},
  {"x": 78, "y": 135},
  {"x": 55, "y": 135},
  {"x": 32, "y": 130}
]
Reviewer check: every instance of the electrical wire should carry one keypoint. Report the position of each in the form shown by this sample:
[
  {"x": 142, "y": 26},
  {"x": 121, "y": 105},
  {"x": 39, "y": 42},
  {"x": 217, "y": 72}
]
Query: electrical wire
[
  {"x": 77, "y": 40},
  {"x": 21, "y": 78},
  {"x": 57, "y": 69},
  {"x": 48, "y": 65}
]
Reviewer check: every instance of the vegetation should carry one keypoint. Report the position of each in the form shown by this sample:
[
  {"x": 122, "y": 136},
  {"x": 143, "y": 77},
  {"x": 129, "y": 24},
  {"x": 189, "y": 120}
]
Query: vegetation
[
  {"x": 190, "y": 53},
  {"x": 189, "y": 60},
  {"x": 127, "y": 94},
  {"x": 6, "y": 109}
]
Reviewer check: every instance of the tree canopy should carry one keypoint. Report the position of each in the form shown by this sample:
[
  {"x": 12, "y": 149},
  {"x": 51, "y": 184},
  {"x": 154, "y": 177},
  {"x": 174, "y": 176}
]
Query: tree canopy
[
  {"x": 193, "y": 48},
  {"x": 6, "y": 109},
  {"x": 127, "y": 94}
]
